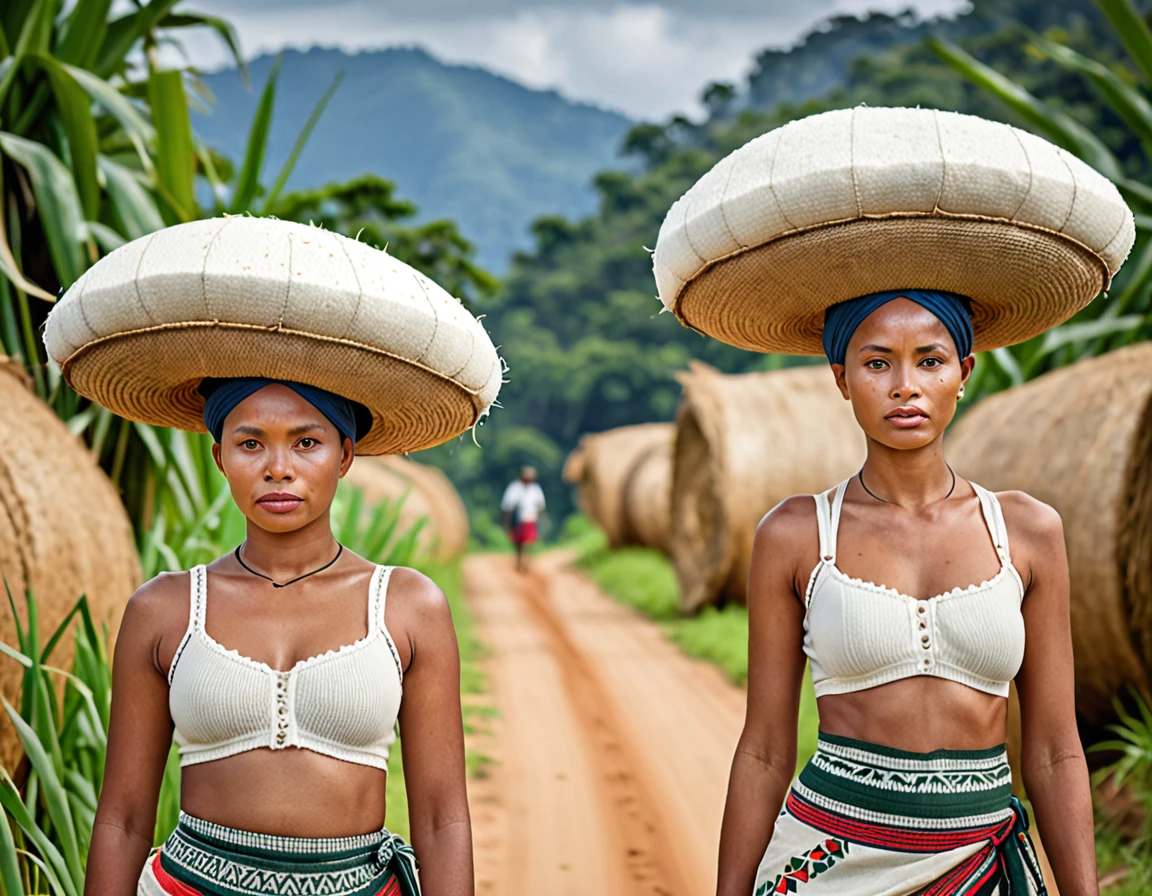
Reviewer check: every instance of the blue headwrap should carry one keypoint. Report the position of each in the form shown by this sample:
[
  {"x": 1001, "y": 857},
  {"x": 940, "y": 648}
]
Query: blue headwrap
[
  {"x": 841, "y": 320},
  {"x": 351, "y": 419}
]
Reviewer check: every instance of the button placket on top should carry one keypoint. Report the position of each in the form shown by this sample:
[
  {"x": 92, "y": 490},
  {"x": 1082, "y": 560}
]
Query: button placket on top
[
  {"x": 924, "y": 627},
  {"x": 282, "y": 693}
]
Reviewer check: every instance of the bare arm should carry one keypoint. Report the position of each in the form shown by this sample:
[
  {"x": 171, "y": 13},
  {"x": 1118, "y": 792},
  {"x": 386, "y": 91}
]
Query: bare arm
[
  {"x": 433, "y": 733},
  {"x": 139, "y": 737},
  {"x": 1054, "y": 769},
  {"x": 765, "y": 758}
]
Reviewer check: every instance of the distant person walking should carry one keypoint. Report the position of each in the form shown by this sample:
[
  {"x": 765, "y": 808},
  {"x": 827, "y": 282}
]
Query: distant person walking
[{"x": 521, "y": 507}]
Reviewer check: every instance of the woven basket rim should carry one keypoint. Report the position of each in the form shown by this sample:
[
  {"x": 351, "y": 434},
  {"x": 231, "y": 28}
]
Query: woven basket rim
[{"x": 935, "y": 215}]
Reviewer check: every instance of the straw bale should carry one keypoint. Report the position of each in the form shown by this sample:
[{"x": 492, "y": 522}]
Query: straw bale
[
  {"x": 1080, "y": 439},
  {"x": 429, "y": 494},
  {"x": 648, "y": 498},
  {"x": 609, "y": 459},
  {"x": 63, "y": 533},
  {"x": 743, "y": 444},
  {"x": 573, "y": 470}
]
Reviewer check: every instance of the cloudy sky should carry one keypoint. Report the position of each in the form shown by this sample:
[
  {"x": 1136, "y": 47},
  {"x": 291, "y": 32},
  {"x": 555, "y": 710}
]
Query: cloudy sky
[{"x": 647, "y": 59}]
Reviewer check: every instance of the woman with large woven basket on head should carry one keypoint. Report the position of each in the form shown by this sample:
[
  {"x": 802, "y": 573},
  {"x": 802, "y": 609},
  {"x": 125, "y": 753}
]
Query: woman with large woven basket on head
[
  {"x": 897, "y": 242},
  {"x": 279, "y": 667}
]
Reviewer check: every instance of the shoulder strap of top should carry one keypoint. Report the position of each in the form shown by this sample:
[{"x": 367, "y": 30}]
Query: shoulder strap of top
[
  {"x": 823, "y": 513},
  {"x": 994, "y": 519},
  {"x": 198, "y": 605},
  {"x": 197, "y": 594},
  {"x": 828, "y": 552},
  {"x": 379, "y": 596}
]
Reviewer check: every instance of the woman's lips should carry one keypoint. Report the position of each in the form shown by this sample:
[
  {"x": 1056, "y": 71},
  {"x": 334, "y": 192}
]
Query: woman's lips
[
  {"x": 906, "y": 418},
  {"x": 280, "y": 503}
]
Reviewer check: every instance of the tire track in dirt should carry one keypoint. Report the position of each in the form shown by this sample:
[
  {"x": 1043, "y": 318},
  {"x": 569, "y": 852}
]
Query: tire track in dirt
[{"x": 612, "y": 748}]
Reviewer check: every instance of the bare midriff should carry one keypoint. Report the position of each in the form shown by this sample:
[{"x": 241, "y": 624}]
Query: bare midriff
[
  {"x": 290, "y": 793},
  {"x": 917, "y": 714}
]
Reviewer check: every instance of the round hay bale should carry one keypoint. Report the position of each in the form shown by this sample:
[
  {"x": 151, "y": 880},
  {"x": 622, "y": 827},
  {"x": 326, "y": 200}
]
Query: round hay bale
[
  {"x": 1080, "y": 439},
  {"x": 573, "y": 470},
  {"x": 63, "y": 533},
  {"x": 429, "y": 495},
  {"x": 743, "y": 444},
  {"x": 609, "y": 459},
  {"x": 648, "y": 499}
]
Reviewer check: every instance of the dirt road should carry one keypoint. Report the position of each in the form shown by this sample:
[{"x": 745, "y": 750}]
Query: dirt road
[{"x": 612, "y": 748}]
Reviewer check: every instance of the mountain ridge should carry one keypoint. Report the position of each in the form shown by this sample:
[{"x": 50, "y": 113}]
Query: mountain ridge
[{"x": 469, "y": 144}]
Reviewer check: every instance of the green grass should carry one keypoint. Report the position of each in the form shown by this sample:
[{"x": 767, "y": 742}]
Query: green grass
[{"x": 644, "y": 580}]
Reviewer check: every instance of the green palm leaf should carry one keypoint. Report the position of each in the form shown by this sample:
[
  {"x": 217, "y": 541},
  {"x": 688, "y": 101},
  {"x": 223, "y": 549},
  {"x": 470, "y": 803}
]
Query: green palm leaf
[{"x": 58, "y": 204}]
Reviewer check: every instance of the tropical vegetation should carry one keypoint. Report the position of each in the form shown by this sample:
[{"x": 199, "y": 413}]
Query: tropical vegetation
[{"x": 586, "y": 344}]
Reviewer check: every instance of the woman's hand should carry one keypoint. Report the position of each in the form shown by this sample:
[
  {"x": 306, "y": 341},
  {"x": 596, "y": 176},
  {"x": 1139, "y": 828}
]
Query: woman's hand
[
  {"x": 433, "y": 738},
  {"x": 783, "y": 555},
  {"x": 139, "y": 737},
  {"x": 1055, "y": 772}
]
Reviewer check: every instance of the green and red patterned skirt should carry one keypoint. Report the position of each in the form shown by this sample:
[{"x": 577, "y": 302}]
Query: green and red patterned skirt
[
  {"x": 205, "y": 859},
  {"x": 867, "y": 820}
]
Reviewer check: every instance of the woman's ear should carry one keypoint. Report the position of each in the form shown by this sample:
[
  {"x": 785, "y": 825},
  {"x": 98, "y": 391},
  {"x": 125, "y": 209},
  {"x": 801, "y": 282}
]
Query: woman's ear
[
  {"x": 966, "y": 368},
  {"x": 347, "y": 454},
  {"x": 216, "y": 456},
  {"x": 841, "y": 382}
]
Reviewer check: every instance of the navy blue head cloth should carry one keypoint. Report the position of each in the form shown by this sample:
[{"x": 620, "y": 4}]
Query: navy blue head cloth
[
  {"x": 842, "y": 319},
  {"x": 351, "y": 419}
]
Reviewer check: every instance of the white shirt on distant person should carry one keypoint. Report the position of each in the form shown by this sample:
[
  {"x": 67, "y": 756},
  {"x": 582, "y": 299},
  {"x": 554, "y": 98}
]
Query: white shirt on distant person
[{"x": 525, "y": 499}]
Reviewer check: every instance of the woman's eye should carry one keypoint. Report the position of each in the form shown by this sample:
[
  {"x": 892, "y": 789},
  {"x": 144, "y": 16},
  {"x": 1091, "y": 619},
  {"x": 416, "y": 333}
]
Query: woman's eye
[
  {"x": 250, "y": 443},
  {"x": 933, "y": 362},
  {"x": 307, "y": 442},
  {"x": 875, "y": 364}
]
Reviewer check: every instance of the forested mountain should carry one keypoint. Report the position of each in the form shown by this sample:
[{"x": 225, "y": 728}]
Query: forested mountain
[
  {"x": 578, "y": 319},
  {"x": 459, "y": 142},
  {"x": 822, "y": 62}
]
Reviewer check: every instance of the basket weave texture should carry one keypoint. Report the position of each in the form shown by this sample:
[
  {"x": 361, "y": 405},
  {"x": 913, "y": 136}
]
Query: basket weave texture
[
  {"x": 855, "y": 201},
  {"x": 63, "y": 534},
  {"x": 240, "y": 297}
]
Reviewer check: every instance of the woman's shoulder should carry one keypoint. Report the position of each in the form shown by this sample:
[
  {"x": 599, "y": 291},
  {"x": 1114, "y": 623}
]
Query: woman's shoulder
[
  {"x": 790, "y": 524},
  {"x": 419, "y": 592},
  {"x": 160, "y": 604},
  {"x": 1028, "y": 519}
]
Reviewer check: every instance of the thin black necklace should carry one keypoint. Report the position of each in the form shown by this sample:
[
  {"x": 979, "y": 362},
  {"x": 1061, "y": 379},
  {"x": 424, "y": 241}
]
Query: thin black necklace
[
  {"x": 860, "y": 476},
  {"x": 276, "y": 584}
]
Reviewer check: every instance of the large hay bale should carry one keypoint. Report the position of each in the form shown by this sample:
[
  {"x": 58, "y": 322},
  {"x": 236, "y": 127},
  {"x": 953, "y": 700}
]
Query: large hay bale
[
  {"x": 609, "y": 459},
  {"x": 63, "y": 533},
  {"x": 648, "y": 498},
  {"x": 429, "y": 495},
  {"x": 743, "y": 444},
  {"x": 1080, "y": 439}
]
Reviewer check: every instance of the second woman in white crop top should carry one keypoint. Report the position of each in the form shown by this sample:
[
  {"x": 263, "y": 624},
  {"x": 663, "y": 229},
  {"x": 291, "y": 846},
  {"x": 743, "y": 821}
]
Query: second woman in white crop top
[
  {"x": 916, "y": 598},
  {"x": 282, "y": 671}
]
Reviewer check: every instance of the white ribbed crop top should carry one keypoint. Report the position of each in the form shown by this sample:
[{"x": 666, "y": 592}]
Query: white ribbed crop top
[
  {"x": 859, "y": 634},
  {"x": 342, "y": 703}
]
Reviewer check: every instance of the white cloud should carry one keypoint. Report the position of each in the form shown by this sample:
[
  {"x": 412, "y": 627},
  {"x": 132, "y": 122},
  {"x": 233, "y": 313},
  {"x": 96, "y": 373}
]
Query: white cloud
[{"x": 645, "y": 59}]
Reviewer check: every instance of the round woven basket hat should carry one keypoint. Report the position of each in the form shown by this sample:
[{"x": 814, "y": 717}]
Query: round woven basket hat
[
  {"x": 856, "y": 201},
  {"x": 258, "y": 297}
]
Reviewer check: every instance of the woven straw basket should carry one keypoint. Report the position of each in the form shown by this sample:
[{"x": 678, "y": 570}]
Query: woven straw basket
[
  {"x": 862, "y": 200},
  {"x": 241, "y": 297}
]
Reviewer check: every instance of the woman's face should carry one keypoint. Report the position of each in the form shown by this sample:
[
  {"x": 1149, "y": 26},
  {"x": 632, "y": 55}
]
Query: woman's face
[
  {"x": 902, "y": 375},
  {"x": 283, "y": 459}
]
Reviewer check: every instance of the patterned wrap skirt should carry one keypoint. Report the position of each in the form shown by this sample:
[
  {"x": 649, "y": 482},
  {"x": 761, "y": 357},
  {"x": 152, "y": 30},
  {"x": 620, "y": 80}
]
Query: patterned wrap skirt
[
  {"x": 867, "y": 820},
  {"x": 205, "y": 859}
]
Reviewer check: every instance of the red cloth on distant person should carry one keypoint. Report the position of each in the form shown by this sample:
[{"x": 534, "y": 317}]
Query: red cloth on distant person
[{"x": 524, "y": 533}]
